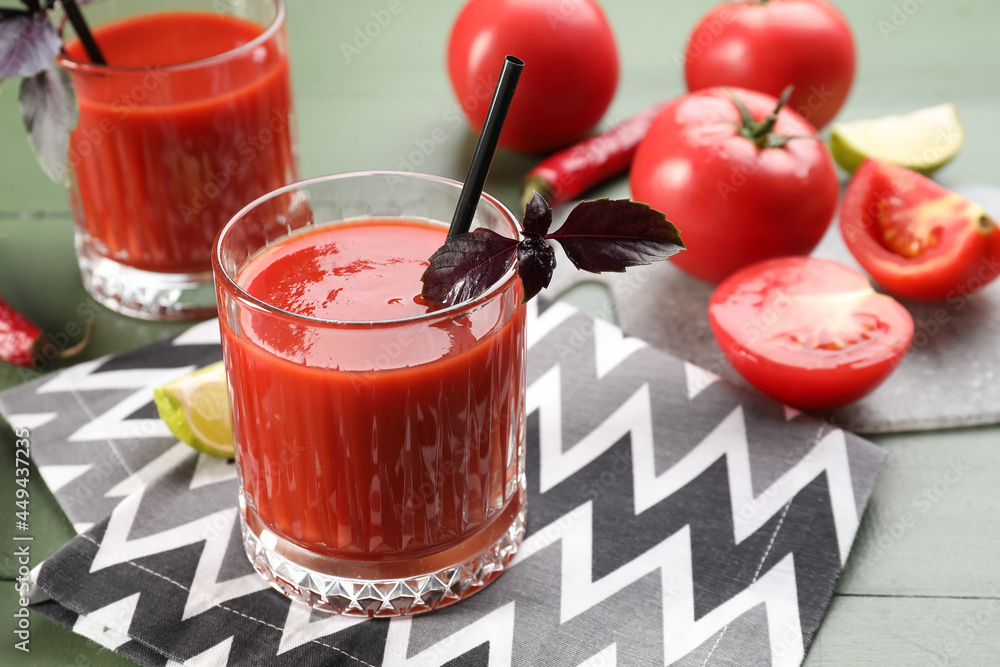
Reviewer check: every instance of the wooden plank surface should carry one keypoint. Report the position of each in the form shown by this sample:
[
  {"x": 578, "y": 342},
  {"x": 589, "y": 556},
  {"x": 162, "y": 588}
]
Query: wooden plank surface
[
  {"x": 922, "y": 586},
  {"x": 933, "y": 524},
  {"x": 931, "y": 632}
]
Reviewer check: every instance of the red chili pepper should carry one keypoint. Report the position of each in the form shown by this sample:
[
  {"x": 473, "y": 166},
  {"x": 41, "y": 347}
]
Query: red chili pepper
[
  {"x": 20, "y": 340},
  {"x": 570, "y": 172}
]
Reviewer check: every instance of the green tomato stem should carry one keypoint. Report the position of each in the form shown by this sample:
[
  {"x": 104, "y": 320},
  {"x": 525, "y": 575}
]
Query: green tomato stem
[{"x": 760, "y": 132}]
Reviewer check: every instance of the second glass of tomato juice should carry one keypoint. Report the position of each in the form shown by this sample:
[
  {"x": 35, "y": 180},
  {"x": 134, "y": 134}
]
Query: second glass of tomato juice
[
  {"x": 190, "y": 119},
  {"x": 379, "y": 438}
]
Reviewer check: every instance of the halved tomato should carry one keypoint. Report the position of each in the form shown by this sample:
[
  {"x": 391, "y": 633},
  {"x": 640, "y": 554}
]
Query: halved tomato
[
  {"x": 916, "y": 238},
  {"x": 811, "y": 333}
]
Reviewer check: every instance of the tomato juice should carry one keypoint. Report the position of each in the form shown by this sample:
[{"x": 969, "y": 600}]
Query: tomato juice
[
  {"x": 189, "y": 122},
  {"x": 382, "y": 431}
]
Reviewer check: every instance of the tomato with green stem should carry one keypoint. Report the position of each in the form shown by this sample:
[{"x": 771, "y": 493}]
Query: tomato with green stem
[
  {"x": 743, "y": 176},
  {"x": 811, "y": 333}
]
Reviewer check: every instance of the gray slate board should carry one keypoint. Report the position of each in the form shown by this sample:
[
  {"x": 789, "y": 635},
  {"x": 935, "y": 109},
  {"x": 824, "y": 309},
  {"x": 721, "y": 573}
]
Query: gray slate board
[{"x": 950, "y": 377}]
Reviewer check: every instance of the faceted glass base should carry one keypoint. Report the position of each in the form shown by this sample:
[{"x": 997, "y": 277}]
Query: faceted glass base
[
  {"x": 145, "y": 294},
  {"x": 412, "y": 593}
]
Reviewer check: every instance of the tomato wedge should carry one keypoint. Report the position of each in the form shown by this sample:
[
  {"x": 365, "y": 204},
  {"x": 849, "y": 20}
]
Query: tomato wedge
[
  {"x": 811, "y": 333},
  {"x": 916, "y": 238}
]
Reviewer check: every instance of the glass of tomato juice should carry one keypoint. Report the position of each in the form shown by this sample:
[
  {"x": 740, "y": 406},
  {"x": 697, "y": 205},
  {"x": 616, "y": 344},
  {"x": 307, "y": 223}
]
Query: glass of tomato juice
[
  {"x": 191, "y": 119},
  {"x": 379, "y": 438}
]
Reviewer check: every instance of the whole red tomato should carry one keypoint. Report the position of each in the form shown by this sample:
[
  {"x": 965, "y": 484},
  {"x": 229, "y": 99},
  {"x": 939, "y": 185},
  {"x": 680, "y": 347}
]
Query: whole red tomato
[
  {"x": 766, "y": 46},
  {"x": 737, "y": 198},
  {"x": 570, "y": 67}
]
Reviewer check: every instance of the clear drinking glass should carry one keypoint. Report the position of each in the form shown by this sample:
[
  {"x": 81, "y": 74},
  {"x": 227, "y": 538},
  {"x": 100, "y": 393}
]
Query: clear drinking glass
[
  {"x": 381, "y": 463},
  {"x": 172, "y": 142}
]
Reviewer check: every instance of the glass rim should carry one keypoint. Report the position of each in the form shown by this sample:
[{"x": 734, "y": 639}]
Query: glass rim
[
  {"x": 269, "y": 31},
  {"x": 229, "y": 283}
]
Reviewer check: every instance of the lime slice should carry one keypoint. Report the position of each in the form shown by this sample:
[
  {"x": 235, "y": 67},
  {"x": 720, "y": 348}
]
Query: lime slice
[
  {"x": 923, "y": 141},
  {"x": 196, "y": 409}
]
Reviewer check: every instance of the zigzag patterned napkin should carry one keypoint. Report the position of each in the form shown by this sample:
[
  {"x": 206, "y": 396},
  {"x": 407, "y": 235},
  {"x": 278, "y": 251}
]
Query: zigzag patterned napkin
[{"x": 673, "y": 520}]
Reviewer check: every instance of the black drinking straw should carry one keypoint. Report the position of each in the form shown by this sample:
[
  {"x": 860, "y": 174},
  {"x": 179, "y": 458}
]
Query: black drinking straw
[
  {"x": 83, "y": 32},
  {"x": 486, "y": 147}
]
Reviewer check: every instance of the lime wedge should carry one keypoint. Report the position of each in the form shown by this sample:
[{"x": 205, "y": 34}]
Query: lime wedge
[
  {"x": 923, "y": 141},
  {"x": 196, "y": 409}
]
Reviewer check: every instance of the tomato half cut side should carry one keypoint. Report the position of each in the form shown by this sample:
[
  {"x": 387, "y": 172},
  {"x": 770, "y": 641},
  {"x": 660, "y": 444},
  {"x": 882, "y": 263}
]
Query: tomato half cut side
[
  {"x": 811, "y": 333},
  {"x": 916, "y": 238}
]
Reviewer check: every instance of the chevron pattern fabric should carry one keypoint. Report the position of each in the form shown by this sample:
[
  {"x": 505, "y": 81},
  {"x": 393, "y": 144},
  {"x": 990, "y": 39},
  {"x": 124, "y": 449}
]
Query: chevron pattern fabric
[{"x": 673, "y": 519}]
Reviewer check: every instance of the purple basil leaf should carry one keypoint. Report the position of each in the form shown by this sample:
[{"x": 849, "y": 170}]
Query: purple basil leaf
[
  {"x": 467, "y": 265},
  {"x": 614, "y": 234},
  {"x": 535, "y": 262},
  {"x": 48, "y": 108},
  {"x": 28, "y": 45},
  {"x": 537, "y": 215},
  {"x": 7, "y": 13},
  {"x": 49, "y": 4}
]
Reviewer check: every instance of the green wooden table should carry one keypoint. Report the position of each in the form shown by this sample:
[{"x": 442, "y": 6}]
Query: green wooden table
[{"x": 922, "y": 585}]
